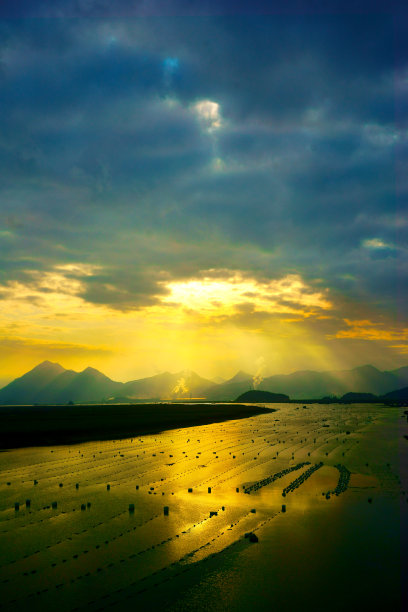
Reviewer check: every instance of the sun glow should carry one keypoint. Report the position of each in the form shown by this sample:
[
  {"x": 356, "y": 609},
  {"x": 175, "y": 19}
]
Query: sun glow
[
  {"x": 209, "y": 113},
  {"x": 226, "y": 296},
  {"x": 214, "y": 323}
]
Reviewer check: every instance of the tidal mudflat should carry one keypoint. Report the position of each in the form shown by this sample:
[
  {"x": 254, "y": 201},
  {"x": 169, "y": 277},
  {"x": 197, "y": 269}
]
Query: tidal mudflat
[
  {"x": 53, "y": 425},
  {"x": 163, "y": 521}
]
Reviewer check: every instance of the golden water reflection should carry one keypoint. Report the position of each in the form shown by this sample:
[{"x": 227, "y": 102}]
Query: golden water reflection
[{"x": 103, "y": 546}]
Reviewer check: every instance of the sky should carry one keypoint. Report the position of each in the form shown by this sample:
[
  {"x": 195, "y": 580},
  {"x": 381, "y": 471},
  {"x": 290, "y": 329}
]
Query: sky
[{"x": 201, "y": 186}]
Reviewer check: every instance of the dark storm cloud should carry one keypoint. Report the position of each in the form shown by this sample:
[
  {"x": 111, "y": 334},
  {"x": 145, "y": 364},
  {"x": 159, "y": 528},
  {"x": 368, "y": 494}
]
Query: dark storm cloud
[{"x": 105, "y": 160}]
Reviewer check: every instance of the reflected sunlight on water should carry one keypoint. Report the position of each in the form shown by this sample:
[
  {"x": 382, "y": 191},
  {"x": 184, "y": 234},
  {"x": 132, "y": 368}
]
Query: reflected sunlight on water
[{"x": 91, "y": 551}]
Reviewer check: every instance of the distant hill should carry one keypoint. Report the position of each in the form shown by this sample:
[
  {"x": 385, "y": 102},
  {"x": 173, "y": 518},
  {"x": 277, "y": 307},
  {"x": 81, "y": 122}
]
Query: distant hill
[
  {"x": 305, "y": 384},
  {"x": 184, "y": 384},
  {"x": 398, "y": 394},
  {"x": 262, "y": 396},
  {"x": 231, "y": 388},
  {"x": 239, "y": 377},
  {"x": 54, "y": 391},
  {"x": 89, "y": 385},
  {"x": 50, "y": 383},
  {"x": 227, "y": 391},
  {"x": 24, "y": 389},
  {"x": 310, "y": 384},
  {"x": 359, "y": 398}
]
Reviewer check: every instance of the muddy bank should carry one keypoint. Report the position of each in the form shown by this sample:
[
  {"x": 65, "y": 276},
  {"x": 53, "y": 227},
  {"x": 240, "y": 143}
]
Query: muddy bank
[{"x": 24, "y": 426}]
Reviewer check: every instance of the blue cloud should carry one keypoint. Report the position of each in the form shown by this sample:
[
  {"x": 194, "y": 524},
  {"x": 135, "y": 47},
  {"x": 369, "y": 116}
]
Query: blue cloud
[{"x": 101, "y": 143}]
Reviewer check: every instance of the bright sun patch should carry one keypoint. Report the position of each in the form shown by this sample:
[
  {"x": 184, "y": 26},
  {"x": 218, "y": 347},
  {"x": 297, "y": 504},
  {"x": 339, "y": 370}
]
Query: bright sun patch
[
  {"x": 209, "y": 113},
  {"x": 227, "y": 296},
  {"x": 375, "y": 243}
]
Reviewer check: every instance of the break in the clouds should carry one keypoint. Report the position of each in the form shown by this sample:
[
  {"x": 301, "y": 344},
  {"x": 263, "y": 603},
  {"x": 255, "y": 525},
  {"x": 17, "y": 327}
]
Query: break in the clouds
[{"x": 141, "y": 156}]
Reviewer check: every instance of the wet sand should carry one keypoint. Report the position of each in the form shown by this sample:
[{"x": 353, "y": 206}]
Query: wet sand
[{"x": 115, "y": 547}]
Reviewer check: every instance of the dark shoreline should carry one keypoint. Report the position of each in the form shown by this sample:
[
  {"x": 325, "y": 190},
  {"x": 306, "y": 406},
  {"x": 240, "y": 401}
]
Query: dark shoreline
[{"x": 30, "y": 426}]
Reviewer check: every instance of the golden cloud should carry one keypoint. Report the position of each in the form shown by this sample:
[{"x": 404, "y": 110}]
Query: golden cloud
[
  {"x": 368, "y": 333},
  {"x": 232, "y": 294}
]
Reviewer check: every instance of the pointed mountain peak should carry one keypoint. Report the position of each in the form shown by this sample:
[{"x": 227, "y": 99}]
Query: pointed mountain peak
[
  {"x": 48, "y": 365},
  {"x": 93, "y": 372},
  {"x": 366, "y": 368},
  {"x": 240, "y": 376}
]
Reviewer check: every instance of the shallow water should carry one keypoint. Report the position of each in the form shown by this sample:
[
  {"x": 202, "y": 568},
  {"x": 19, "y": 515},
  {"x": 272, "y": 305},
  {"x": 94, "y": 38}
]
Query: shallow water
[{"x": 324, "y": 550}]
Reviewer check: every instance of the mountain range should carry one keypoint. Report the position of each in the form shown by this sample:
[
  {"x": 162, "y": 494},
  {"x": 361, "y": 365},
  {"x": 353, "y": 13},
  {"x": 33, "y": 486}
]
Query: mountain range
[{"x": 50, "y": 383}]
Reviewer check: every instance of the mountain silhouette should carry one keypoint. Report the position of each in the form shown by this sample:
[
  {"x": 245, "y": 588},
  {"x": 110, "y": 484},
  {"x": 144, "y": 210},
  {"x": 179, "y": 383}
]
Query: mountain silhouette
[
  {"x": 24, "y": 389},
  {"x": 262, "y": 396},
  {"x": 89, "y": 385},
  {"x": 239, "y": 377},
  {"x": 358, "y": 398},
  {"x": 50, "y": 383},
  {"x": 314, "y": 385},
  {"x": 183, "y": 384},
  {"x": 398, "y": 394}
]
